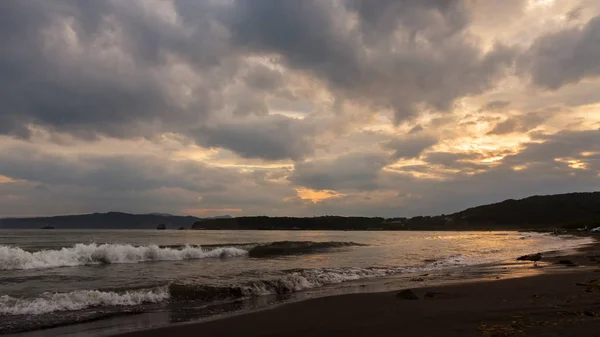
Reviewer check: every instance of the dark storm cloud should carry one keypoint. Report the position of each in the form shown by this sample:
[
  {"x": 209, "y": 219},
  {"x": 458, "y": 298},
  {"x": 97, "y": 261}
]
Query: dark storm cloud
[
  {"x": 369, "y": 62},
  {"x": 416, "y": 15},
  {"x": 207, "y": 71},
  {"x": 273, "y": 137},
  {"x": 449, "y": 159},
  {"x": 417, "y": 128},
  {"x": 495, "y": 106},
  {"x": 508, "y": 126},
  {"x": 410, "y": 146},
  {"x": 356, "y": 171},
  {"x": 111, "y": 172},
  {"x": 523, "y": 123},
  {"x": 133, "y": 183},
  {"x": 101, "y": 67},
  {"x": 565, "y": 144},
  {"x": 564, "y": 57},
  {"x": 82, "y": 91}
]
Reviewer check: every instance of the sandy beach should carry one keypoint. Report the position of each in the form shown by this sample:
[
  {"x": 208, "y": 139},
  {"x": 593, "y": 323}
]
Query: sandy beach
[{"x": 563, "y": 300}]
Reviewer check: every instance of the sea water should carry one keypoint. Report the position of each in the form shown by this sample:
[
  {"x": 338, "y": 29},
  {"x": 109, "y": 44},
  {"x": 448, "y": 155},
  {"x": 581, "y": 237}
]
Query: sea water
[{"x": 63, "y": 277}]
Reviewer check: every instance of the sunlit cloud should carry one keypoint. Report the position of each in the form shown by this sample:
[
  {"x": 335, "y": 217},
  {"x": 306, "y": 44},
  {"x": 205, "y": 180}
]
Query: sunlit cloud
[
  {"x": 572, "y": 163},
  {"x": 315, "y": 196},
  {"x": 5, "y": 180}
]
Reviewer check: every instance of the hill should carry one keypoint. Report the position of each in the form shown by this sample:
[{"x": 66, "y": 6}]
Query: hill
[
  {"x": 110, "y": 220},
  {"x": 560, "y": 210},
  {"x": 537, "y": 212}
]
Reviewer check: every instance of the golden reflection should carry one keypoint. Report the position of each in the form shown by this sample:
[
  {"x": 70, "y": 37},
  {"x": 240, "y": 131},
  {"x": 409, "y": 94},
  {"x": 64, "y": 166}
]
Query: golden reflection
[{"x": 315, "y": 196}]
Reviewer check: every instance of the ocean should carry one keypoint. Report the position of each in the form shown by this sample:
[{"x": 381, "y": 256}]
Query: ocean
[{"x": 101, "y": 282}]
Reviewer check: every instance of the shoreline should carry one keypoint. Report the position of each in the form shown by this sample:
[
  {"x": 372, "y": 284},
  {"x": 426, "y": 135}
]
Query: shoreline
[{"x": 561, "y": 299}]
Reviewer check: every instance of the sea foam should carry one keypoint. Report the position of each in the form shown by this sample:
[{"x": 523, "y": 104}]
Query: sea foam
[
  {"x": 77, "y": 300},
  {"x": 86, "y": 254}
]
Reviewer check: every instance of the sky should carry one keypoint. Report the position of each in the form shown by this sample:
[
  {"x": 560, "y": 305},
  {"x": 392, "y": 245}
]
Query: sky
[{"x": 299, "y": 108}]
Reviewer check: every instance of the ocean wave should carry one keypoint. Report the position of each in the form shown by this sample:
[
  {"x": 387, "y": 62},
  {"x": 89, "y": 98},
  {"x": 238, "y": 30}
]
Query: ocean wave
[
  {"x": 290, "y": 282},
  {"x": 301, "y": 279},
  {"x": 287, "y": 282},
  {"x": 87, "y": 254},
  {"x": 90, "y": 254},
  {"x": 80, "y": 299},
  {"x": 296, "y": 247}
]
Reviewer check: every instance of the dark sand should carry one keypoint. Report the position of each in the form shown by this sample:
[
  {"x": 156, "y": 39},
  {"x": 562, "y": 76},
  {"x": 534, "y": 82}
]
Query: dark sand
[{"x": 561, "y": 301}]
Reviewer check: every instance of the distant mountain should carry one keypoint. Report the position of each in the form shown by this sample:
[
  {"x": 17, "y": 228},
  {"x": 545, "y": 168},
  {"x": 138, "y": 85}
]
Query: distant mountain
[
  {"x": 571, "y": 210},
  {"x": 220, "y": 217},
  {"x": 290, "y": 223},
  {"x": 110, "y": 220},
  {"x": 560, "y": 210},
  {"x": 161, "y": 214}
]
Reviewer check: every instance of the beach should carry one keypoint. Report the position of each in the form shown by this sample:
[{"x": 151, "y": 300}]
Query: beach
[{"x": 562, "y": 299}]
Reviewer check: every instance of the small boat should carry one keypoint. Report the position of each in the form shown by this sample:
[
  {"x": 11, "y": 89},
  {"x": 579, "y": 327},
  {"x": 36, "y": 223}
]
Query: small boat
[
  {"x": 162, "y": 226},
  {"x": 48, "y": 227}
]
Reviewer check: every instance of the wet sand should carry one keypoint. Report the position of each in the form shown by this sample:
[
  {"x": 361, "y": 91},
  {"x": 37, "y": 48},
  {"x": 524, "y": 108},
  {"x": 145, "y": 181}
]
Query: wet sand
[{"x": 562, "y": 300}]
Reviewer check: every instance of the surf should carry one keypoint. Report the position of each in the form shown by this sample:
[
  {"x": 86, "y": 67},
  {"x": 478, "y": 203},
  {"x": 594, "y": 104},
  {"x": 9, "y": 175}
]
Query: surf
[{"x": 89, "y": 254}]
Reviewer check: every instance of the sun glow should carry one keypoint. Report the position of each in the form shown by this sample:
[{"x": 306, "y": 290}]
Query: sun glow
[
  {"x": 316, "y": 196},
  {"x": 5, "y": 180}
]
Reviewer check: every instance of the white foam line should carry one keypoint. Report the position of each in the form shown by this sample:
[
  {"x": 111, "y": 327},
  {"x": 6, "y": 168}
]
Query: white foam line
[
  {"x": 77, "y": 300},
  {"x": 86, "y": 254}
]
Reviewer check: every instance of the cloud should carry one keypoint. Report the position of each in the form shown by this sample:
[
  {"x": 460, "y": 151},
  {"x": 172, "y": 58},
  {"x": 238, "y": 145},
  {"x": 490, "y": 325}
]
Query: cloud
[
  {"x": 525, "y": 122},
  {"x": 417, "y": 128},
  {"x": 564, "y": 57},
  {"x": 118, "y": 173},
  {"x": 274, "y": 137},
  {"x": 356, "y": 171},
  {"x": 495, "y": 105},
  {"x": 164, "y": 183},
  {"x": 398, "y": 55},
  {"x": 107, "y": 68},
  {"x": 449, "y": 159},
  {"x": 410, "y": 146},
  {"x": 214, "y": 105},
  {"x": 139, "y": 69},
  {"x": 564, "y": 144}
]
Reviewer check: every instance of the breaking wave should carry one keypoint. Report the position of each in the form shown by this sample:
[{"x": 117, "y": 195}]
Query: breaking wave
[
  {"x": 87, "y": 254},
  {"x": 292, "y": 281},
  {"x": 288, "y": 282},
  {"x": 302, "y": 279},
  {"x": 80, "y": 299},
  {"x": 90, "y": 254}
]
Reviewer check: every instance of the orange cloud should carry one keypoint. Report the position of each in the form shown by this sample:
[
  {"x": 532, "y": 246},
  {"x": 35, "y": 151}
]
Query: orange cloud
[
  {"x": 5, "y": 179},
  {"x": 316, "y": 196}
]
